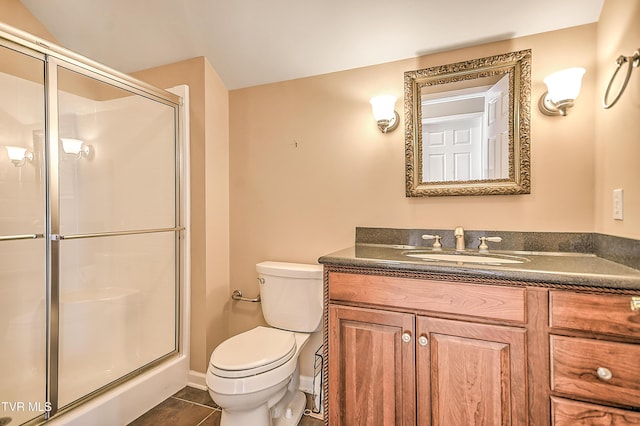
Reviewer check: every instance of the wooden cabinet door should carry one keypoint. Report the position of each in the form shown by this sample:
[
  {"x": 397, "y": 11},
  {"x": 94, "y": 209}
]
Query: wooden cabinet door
[
  {"x": 371, "y": 367},
  {"x": 470, "y": 374}
]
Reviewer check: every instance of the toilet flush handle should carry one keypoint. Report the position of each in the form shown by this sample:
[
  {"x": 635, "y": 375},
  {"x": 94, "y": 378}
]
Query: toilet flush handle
[{"x": 237, "y": 295}]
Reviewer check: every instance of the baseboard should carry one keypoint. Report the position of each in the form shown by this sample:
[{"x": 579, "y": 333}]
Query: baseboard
[
  {"x": 197, "y": 380},
  {"x": 306, "y": 386}
]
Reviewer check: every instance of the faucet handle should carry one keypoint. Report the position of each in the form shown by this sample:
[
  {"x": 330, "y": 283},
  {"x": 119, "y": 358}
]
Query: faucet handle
[
  {"x": 483, "y": 247},
  {"x": 437, "y": 245}
]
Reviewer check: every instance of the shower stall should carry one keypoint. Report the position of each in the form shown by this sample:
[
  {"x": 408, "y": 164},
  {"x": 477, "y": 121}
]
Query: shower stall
[{"x": 92, "y": 229}]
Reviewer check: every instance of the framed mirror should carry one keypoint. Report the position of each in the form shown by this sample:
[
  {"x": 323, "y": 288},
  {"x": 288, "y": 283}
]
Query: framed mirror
[{"x": 467, "y": 127}]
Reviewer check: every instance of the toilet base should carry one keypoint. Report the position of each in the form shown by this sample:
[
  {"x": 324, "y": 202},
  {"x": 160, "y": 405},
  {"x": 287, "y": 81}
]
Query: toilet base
[
  {"x": 287, "y": 412},
  {"x": 258, "y": 416},
  {"x": 292, "y": 412}
]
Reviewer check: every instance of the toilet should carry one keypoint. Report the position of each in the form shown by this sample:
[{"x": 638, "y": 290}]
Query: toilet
[{"x": 254, "y": 376}]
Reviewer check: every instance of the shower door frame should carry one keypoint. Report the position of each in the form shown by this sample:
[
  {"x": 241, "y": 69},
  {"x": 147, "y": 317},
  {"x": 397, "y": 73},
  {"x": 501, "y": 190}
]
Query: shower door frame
[{"x": 54, "y": 57}]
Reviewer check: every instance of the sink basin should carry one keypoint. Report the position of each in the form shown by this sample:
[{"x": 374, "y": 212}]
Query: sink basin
[{"x": 488, "y": 259}]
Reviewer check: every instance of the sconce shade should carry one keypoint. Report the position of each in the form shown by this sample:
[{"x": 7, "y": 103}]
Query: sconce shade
[
  {"x": 18, "y": 155},
  {"x": 564, "y": 84},
  {"x": 74, "y": 147},
  {"x": 384, "y": 112},
  {"x": 563, "y": 88},
  {"x": 71, "y": 146},
  {"x": 383, "y": 107}
]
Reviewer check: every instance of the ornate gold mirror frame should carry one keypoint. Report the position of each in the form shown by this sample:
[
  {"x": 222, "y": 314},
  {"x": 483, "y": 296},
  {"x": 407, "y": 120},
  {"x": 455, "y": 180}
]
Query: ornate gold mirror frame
[{"x": 424, "y": 82}]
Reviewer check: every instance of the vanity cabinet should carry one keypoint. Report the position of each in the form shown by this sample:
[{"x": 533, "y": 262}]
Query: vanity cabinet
[
  {"x": 407, "y": 351},
  {"x": 409, "y": 348},
  {"x": 595, "y": 359}
]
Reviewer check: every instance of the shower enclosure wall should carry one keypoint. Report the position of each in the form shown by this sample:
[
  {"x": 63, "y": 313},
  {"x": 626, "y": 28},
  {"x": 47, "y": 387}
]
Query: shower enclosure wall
[{"x": 91, "y": 229}]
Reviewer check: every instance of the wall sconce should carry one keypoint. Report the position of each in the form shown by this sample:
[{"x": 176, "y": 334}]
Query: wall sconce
[
  {"x": 75, "y": 147},
  {"x": 384, "y": 112},
  {"x": 19, "y": 155},
  {"x": 563, "y": 88}
]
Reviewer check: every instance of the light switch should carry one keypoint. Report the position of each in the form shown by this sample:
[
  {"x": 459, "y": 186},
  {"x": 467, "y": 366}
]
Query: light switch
[{"x": 618, "y": 204}]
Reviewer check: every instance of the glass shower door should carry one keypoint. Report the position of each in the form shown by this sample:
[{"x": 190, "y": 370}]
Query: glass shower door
[
  {"x": 89, "y": 230},
  {"x": 117, "y": 221},
  {"x": 23, "y": 295}
]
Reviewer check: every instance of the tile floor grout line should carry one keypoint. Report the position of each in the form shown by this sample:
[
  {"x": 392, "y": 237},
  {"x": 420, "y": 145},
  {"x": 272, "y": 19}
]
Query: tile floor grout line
[
  {"x": 196, "y": 403},
  {"x": 203, "y": 420}
]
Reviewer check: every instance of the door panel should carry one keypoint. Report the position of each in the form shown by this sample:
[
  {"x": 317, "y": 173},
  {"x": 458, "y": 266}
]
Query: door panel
[
  {"x": 497, "y": 131},
  {"x": 452, "y": 148},
  {"x": 371, "y": 367},
  {"x": 22, "y": 245},
  {"x": 470, "y": 374},
  {"x": 117, "y": 275}
]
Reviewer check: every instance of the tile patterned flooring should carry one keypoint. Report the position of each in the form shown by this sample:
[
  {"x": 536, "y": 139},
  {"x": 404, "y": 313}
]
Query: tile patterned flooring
[{"x": 192, "y": 407}]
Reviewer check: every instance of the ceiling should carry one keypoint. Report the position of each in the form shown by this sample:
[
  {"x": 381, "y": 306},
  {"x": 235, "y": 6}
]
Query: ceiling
[{"x": 252, "y": 42}]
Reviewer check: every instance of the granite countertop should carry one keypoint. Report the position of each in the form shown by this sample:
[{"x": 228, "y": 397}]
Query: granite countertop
[{"x": 542, "y": 267}]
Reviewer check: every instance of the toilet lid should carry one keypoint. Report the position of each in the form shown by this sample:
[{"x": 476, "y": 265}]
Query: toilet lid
[{"x": 252, "y": 352}]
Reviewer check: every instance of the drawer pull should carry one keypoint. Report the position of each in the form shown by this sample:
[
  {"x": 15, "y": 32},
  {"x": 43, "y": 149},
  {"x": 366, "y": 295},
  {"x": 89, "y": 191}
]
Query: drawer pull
[
  {"x": 406, "y": 337},
  {"x": 635, "y": 303},
  {"x": 423, "y": 341},
  {"x": 604, "y": 373}
]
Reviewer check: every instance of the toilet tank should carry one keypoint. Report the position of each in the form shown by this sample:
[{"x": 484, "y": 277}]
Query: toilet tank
[{"x": 291, "y": 295}]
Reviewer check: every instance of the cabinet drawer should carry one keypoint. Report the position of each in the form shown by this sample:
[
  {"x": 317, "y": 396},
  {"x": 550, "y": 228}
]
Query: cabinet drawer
[
  {"x": 576, "y": 364},
  {"x": 572, "y": 413},
  {"x": 486, "y": 301},
  {"x": 610, "y": 314}
]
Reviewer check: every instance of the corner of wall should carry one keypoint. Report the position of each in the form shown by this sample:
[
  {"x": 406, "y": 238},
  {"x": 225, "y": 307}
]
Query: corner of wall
[
  {"x": 217, "y": 216},
  {"x": 14, "y": 13},
  {"x": 617, "y": 148}
]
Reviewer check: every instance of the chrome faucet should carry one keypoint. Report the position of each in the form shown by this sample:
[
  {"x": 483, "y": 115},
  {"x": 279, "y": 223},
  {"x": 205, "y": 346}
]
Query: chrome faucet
[
  {"x": 483, "y": 247},
  {"x": 458, "y": 233},
  {"x": 437, "y": 244}
]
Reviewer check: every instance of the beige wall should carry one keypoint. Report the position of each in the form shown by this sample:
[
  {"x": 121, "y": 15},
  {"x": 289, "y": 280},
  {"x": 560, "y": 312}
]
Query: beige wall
[
  {"x": 618, "y": 128},
  {"x": 298, "y": 203},
  {"x": 308, "y": 163},
  {"x": 217, "y": 214}
]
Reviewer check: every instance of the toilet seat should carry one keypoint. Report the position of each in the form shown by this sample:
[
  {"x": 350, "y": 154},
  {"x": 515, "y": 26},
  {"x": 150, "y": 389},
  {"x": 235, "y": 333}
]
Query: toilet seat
[{"x": 253, "y": 352}]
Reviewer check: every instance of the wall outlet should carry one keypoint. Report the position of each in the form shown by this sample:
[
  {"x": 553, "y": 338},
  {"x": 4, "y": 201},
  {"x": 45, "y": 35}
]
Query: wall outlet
[{"x": 618, "y": 204}]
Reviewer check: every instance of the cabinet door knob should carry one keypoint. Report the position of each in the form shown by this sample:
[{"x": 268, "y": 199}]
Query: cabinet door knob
[
  {"x": 423, "y": 341},
  {"x": 604, "y": 373},
  {"x": 635, "y": 303},
  {"x": 406, "y": 337}
]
